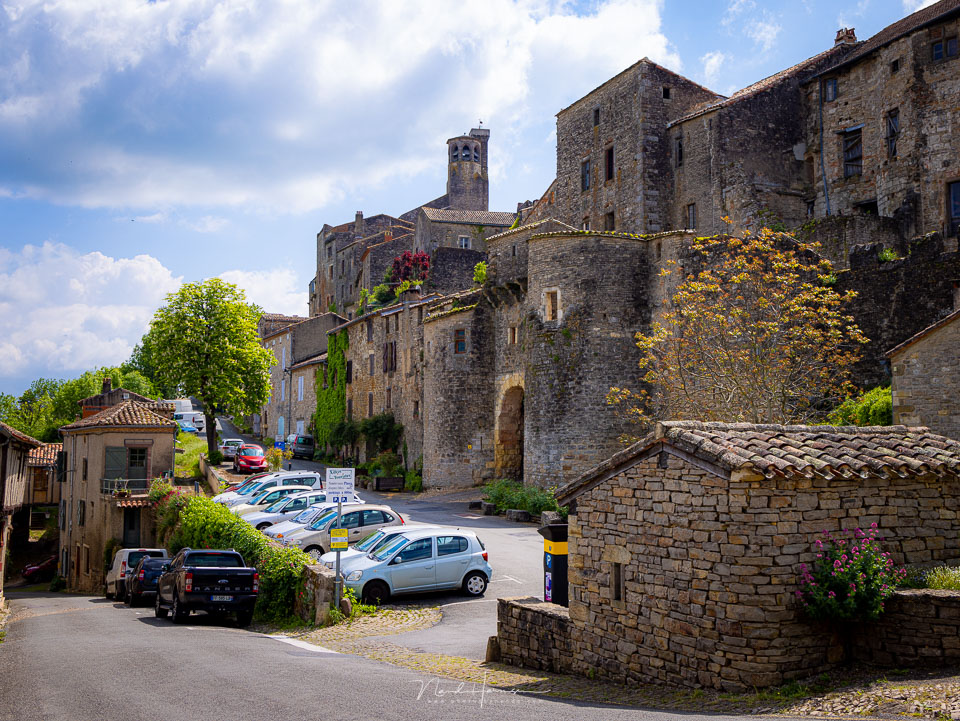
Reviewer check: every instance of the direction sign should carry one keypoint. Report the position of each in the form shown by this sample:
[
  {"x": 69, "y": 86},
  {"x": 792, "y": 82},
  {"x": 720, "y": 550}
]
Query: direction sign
[
  {"x": 338, "y": 538},
  {"x": 339, "y": 486}
]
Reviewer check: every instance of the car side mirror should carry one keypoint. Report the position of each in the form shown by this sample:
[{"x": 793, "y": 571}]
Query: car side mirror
[{"x": 395, "y": 561}]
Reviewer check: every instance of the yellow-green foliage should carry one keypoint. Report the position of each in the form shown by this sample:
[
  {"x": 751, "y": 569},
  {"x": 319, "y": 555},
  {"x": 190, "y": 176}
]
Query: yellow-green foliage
[
  {"x": 332, "y": 395},
  {"x": 188, "y": 462},
  {"x": 873, "y": 408}
]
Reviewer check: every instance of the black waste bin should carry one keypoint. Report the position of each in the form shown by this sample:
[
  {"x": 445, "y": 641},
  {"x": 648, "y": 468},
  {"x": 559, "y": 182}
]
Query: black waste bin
[{"x": 555, "y": 563}]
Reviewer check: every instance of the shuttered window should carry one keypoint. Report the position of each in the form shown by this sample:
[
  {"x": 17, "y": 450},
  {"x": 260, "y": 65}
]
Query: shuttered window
[{"x": 114, "y": 462}]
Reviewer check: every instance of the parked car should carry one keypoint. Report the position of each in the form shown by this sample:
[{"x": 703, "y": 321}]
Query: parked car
[
  {"x": 187, "y": 427},
  {"x": 309, "y": 479},
  {"x": 228, "y": 446},
  {"x": 142, "y": 583},
  {"x": 215, "y": 581},
  {"x": 124, "y": 561},
  {"x": 302, "y": 446},
  {"x": 286, "y": 528},
  {"x": 371, "y": 542},
  {"x": 358, "y": 519},
  {"x": 249, "y": 458},
  {"x": 45, "y": 570},
  {"x": 428, "y": 560},
  {"x": 194, "y": 417},
  {"x": 266, "y": 498},
  {"x": 286, "y": 508}
]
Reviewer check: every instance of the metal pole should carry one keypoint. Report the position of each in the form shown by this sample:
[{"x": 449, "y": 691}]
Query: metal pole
[{"x": 338, "y": 582}]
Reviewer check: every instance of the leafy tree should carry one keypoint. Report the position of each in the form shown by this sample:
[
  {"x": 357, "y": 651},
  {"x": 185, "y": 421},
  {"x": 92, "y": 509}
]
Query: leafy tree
[
  {"x": 410, "y": 266},
  {"x": 34, "y": 415},
  {"x": 755, "y": 336},
  {"x": 382, "y": 294},
  {"x": 480, "y": 273},
  {"x": 873, "y": 408},
  {"x": 205, "y": 344}
]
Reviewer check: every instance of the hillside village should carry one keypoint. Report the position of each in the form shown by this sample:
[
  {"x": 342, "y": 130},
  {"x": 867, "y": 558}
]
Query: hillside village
[{"x": 849, "y": 148}]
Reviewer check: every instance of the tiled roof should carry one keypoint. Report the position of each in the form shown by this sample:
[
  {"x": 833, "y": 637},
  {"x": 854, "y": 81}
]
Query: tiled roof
[
  {"x": 123, "y": 415},
  {"x": 825, "y": 452},
  {"x": 926, "y": 331},
  {"x": 45, "y": 455},
  {"x": 310, "y": 360},
  {"x": 555, "y": 226},
  {"x": 11, "y": 431},
  {"x": 134, "y": 502},
  {"x": 913, "y": 22},
  {"x": 473, "y": 217},
  {"x": 282, "y": 317}
]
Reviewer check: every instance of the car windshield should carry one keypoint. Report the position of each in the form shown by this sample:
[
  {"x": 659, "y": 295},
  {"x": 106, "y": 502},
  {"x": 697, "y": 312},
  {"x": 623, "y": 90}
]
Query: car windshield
[
  {"x": 135, "y": 557},
  {"x": 233, "y": 443},
  {"x": 251, "y": 451},
  {"x": 258, "y": 497},
  {"x": 278, "y": 506},
  {"x": 214, "y": 560},
  {"x": 305, "y": 440},
  {"x": 371, "y": 541},
  {"x": 254, "y": 489},
  {"x": 306, "y": 516},
  {"x": 323, "y": 519},
  {"x": 389, "y": 548}
]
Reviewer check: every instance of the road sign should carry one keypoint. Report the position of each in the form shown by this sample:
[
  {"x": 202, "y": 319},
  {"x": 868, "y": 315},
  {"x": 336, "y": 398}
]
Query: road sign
[
  {"x": 340, "y": 483},
  {"x": 338, "y": 538}
]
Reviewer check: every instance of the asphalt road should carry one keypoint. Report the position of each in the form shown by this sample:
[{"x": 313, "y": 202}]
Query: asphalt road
[
  {"x": 515, "y": 553},
  {"x": 74, "y": 658}
]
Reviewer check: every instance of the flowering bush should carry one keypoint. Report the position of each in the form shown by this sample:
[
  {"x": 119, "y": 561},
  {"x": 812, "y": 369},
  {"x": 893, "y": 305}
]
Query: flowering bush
[{"x": 850, "y": 579}]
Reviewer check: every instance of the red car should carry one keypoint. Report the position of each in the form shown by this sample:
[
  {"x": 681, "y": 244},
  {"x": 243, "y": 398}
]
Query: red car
[
  {"x": 249, "y": 459},
  {"x": 43, "y": 571}
]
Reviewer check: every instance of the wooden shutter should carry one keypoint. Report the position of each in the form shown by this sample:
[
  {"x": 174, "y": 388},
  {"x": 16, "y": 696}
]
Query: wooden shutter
[{"x": 114, "y": 462}]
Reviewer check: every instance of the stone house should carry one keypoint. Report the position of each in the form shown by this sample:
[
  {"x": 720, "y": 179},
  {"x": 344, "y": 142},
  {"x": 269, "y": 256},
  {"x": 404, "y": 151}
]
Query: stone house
[
  {"x": 118, "y": 449},
  {"x": 926, "y": 378},
  {"x": 15, "y": 447},
  {"x": 684, "y": 549},
  {"x": 109, "y": 397},
  {"x": 454, "y": 228},
  {"x": 44, "y": 488}
]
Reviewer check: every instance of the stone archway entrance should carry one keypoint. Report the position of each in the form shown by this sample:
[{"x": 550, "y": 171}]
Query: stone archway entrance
[{"x": 509, "y": 442}]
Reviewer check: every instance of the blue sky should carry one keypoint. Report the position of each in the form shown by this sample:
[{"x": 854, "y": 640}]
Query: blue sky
[{"x": 145, "y": 144}]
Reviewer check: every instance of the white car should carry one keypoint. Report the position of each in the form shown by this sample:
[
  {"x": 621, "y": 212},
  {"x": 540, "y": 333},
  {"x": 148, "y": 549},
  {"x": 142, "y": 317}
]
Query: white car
[
  {"x": 286, "y": 508},
  {"x": 357, "y": 519},
  {"x": 266, "y": 498},
  {"x": 235, "y": 498},
  {"x": 284, "y": 528},
  {"x": 371, "y": 543},
  {"x": 229, "y": 446}
]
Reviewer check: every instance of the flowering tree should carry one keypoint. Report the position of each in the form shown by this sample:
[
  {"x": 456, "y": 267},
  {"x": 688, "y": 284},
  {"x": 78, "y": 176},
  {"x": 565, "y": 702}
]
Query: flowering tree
[
  {"x": 410, "y": 266},
  {"x": 758, "y": 335},
  {"x": 850, "y": 579}
]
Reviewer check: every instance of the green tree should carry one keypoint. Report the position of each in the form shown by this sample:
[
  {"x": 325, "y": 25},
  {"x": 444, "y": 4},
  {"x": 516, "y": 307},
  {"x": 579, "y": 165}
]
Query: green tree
[
  {"x": 34, "y": 415},
  {"x": 204, "y": 343},
  {"x": 480, "y": 273}
]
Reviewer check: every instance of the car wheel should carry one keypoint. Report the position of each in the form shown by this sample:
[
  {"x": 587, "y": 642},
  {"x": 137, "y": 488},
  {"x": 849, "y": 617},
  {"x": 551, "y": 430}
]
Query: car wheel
[
  {"x": 475, "y": 584},
  {"x": 106, "y": 592},
  {"x": 178, "y": 613},
  {"x": 315, "y": 552},
  {"x": 244, "y": 618},
  {"x": 376, "y": 592},
  {"x": 121, "y": 590},
  {"x": 158, "y": 610},
  {"x": 262, "y": 526},
  {"x": 128, "y": 598}
]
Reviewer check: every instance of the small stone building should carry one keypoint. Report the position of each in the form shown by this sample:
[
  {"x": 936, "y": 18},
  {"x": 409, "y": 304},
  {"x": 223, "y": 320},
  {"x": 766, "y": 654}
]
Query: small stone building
[
  {"x": 15, "y": 447},
  {"x": 926, "y": 378},
  {"x": 684, "y": 549}
]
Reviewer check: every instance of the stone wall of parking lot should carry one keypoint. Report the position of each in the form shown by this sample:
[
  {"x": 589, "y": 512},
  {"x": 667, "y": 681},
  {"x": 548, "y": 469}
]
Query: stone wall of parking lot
[
  {"x": 534, "y": 634},
  {"x": 313, "y": 603}
]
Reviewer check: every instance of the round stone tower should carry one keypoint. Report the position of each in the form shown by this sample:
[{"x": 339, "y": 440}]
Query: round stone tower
[{"x": 468, "y": 187}]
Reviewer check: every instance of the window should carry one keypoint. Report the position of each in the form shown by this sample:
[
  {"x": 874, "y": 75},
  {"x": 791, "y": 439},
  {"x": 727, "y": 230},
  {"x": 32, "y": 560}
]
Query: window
[
  {"x": 895, "y": 66},
  {"x": 389, "y": 356},
  {"x": 608, "y": 165},
  {"x": 953, "y": 200},
  {"x": 678, "y": 151},
  {"x": 596, "y": 117},
  {"x": 691, "y": 219},
  {"x": 389, "y": 396},
  {"x": 616, "y": 581},
  {"x": 512, "y": 335},
  {"x": 893, "y": 132},
  {"x": 666, "y": 93},
  {"x": 551, "y": 309},
  {"x": 386, "y": 325},
  {"x": 329, "y": 252},
  {"x": 514, "y": 253},
  {"x": 447, "y": 545},
  {"x": 455, "y": 156},
  {"x": 349, "y": 376},
  {"x": 416, "y": 409},
  {"x": 460, "y": 341},
  {"x": 369, "y": 405},
  {"x": 371, "y": 364},
  {"x": 829, "y": 90},
  {"x": 283, "y": 356},
  {"x": 84, "y": 469},
  {"x": 86, "y": 559},
  {"x": 586, "y": 224},
  {"x": 852, "y": 153},
  {"x": 137, "y": 463},
  {"x": 283, "y": 390},
  {"x": 585, "y": 175},
  {"x": 396, "y": 322},
  {"x": 300, "y": 388},
  {"x": 463, "y": 242},
  {"x": 609, "y": 222},
  {"x": 476, "y": 155},
  {"x": 373, "y": 518},
  {"x": 946, "y": 48},
  {"x": 369, "y": 331},
  {"x": 417, "y": 551},
  {"x": 330, "y": 273},
  {"x": 81, "y": 513},
  {"x": 350, "y": 409}
]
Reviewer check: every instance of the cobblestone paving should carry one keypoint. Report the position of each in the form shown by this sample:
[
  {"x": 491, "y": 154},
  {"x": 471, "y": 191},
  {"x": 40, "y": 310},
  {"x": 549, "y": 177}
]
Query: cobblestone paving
[{"x": 860, "y": 693}]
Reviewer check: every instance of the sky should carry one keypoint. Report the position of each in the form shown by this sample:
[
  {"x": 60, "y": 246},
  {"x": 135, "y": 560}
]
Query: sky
[{"x": 146, "y": 144}]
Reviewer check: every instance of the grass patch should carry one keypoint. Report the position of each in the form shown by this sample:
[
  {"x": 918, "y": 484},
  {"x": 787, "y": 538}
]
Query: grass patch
[
  {"x": 944, "y": 578},
  {"x": 188, "y": 462},
  {"x": 792, "y": 691}
]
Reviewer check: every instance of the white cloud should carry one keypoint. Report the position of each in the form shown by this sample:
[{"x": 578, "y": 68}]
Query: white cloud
[
  {"x": 63, "y": 312},
  {"x": 712, "y": 63},
  {"x": 761, "y": 27},
  {"x": 157, "y": 218},
  {"x": 267, "y": 107},
  {"x": 911, "y": 6},
  {"x": 276, "y": 291},
  {"x": 209, "y": 224}
]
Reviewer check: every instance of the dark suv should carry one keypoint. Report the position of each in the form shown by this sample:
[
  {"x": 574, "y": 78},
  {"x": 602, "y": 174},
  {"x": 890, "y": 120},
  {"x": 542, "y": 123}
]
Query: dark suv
[
  {"x": 142, "y": 582},
  {"x": 303, "y": 447}
]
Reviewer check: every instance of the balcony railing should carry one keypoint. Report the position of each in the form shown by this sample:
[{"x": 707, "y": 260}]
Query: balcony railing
[{"x": 108, "y": 486}]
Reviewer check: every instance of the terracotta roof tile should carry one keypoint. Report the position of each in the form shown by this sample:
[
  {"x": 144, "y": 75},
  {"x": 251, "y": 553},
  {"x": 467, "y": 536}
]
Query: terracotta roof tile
[
  {"x": 126, "y": 414},
  {"x": 45, "y": 455},
  {"x": 11, "y": 431},
  {"x": 476, "y": 217}
]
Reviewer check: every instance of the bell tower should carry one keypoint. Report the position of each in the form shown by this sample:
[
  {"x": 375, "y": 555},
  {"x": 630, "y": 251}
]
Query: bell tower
[{"x": 468, "y": 187}]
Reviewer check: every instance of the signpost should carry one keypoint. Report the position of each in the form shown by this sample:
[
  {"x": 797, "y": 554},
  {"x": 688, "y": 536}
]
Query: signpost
[{"x": 339, "y": 488}]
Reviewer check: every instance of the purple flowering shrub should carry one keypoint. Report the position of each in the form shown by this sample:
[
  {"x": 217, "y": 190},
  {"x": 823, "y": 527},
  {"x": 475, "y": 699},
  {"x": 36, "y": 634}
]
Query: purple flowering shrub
[{"x": 850, "y": 579}]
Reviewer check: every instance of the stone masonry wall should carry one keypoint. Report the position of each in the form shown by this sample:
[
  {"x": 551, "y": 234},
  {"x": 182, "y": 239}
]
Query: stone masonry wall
[
  {"x": 918, "y": 628},
  {"x": 534, "y": 634},
  {"x": 710, "y": 567},
  {"x": 926, "y": 382}
]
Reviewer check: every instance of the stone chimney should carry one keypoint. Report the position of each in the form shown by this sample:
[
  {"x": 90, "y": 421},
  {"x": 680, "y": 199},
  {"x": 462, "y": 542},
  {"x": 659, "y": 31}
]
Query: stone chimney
[
  {"x": 358, "y": 223},
  {"x": 845, "y": 36},
  {"x": 387, "y": 235},
  {"x": 107, "y": 385}
]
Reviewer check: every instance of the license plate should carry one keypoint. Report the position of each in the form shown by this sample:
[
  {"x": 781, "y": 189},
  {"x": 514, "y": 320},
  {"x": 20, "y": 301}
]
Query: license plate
[{"x": 221, "y": 598}]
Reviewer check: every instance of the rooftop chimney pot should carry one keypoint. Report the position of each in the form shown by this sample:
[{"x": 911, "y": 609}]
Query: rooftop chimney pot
[
  {"x": 845, "y": 36},
  {"x": 107, "y": 385}
]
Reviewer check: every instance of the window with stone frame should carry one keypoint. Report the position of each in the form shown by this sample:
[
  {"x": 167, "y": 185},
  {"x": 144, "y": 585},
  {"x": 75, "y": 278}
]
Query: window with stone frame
[
  {"x": 852, "y": 141},
  {"x": 512, "y": 335},
  {"x": 350, "y": 409},
  {"x": 389, "y": 357},
  {"x": 389, "y": 396},
  {"x": 416, "y": 409},
  {"x": 551, "y": 305},
  {"x": 84, "y": 469},
  {"x": 596, "y": 117},
  {"x": 585, "y": 175},
  {"x": 893, "y": 132},
  {"x": 616, "y": 582},
  {"x": 586, "y": 224},
  {"x": 609, "y": 221},
  {"x": 829, "y": 90},
  {"x": 369, "y": 330},
  {"x": 691, "y": 216},
  {"x": 371, "y": 364},
  {"x": 349, "y": 373},
  {"x": 463, "y": 242},
  {"x": 944, "y": 49},
  {"x": 460, "y": 341},
  {"x": 369, "y": 405},
  {"x": 666, "y": 93},
  {"x": 678, "y": 151},
  {"x": 953, "y": 208},
  {"x": 608, "y": 167},
  {"x": 81, "y": 513}
]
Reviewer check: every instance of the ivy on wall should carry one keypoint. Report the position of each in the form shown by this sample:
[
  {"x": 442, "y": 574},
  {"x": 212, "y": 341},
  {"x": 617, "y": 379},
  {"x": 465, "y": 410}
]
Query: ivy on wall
[{"x": 332, "y": 395}]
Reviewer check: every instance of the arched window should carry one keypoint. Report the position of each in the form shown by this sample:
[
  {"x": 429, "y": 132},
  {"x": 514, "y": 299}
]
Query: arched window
[
  {"x": 456, "y": 154},
  {"x": 476, "y": 154}
]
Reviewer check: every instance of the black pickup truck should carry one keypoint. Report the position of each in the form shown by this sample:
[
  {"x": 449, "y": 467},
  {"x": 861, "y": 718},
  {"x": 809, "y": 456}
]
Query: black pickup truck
[{"x": 207, "y": 580}]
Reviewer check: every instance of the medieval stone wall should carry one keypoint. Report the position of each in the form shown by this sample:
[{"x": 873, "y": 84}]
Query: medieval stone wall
[{"x": 451, "y": 269}]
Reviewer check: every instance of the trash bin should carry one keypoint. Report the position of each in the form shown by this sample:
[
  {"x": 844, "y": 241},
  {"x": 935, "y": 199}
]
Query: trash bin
[{"x": 555, "y": 563}]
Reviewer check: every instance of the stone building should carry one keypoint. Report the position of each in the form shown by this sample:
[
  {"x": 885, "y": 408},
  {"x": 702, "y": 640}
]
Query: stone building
[
  {"x": 685, "y": 548},
  {"x": 111, "y": 458},
  {"x": 43, "y": 486},
  {"x": 15, "y": 448},
  {"x": 926, "y": 378}
]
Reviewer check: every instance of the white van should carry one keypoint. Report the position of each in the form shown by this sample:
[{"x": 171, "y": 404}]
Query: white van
[
  {"x": 182, "y": 405},
  {"x": 194, "y": 417}
]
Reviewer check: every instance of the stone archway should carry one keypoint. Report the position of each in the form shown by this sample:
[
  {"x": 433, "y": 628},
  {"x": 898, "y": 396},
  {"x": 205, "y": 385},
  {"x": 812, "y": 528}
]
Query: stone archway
[{"x": 509, "y": 439}]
